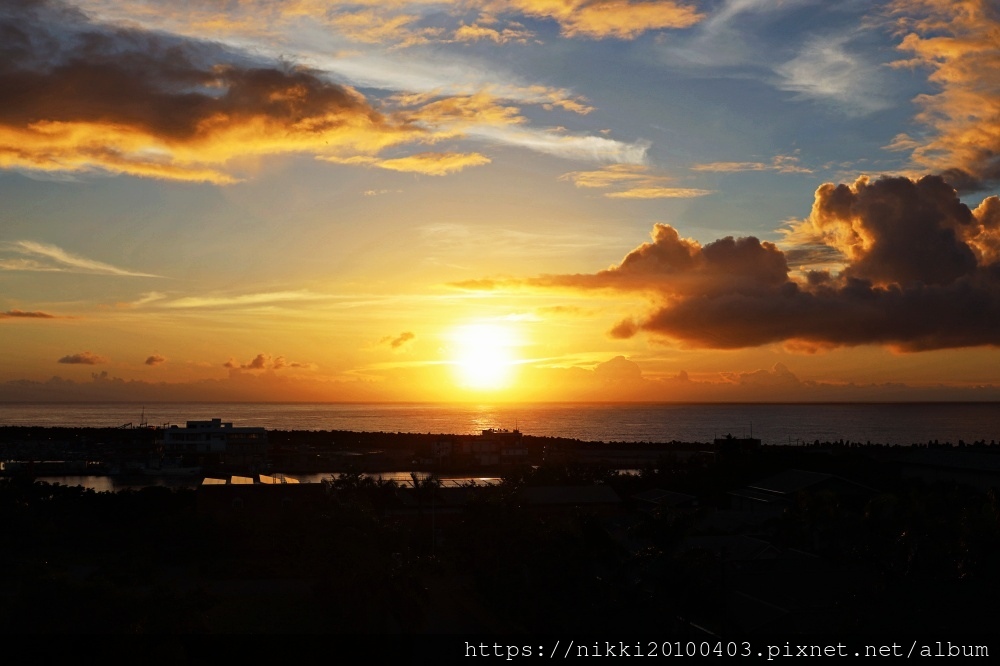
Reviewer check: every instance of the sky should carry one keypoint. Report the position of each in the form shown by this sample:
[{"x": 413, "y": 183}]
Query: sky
[{"x": 486, "y": 200}]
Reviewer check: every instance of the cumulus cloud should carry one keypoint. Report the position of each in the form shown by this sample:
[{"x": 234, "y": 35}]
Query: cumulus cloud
[
  {"x": 959, "y": 42},
  {"x": 83, "y": 358},
  {"x": 618, "y": 370},
  {"x": 20, "y": 314},
  {"x": 282, "y": 362},
  {"x": 778, "y": 376},
  {"x": 155, "y": 359},
  {"x": 919, "y": 271}
]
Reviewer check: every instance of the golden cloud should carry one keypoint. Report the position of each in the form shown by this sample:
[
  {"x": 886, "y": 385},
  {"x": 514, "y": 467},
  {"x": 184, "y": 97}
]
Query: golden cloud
[
  {"x": 434, "y": 164},
  {"x": 148, "y": 105},
  {"x": 779, "y": 163},
  {"x": 959, "y": 42},
  {"x": 659, "y": 193},
  {"x": 634, "y": 181},
  {"x": 598, "y": 19}
]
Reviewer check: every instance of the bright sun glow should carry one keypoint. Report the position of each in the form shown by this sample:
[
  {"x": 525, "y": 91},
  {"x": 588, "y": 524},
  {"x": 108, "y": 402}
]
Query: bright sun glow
[{"x": 484, "y": 355}]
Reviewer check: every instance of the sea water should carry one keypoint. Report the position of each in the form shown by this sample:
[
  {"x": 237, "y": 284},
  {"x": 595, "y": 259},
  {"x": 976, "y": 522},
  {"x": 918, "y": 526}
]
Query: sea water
[{"x": 877, "y": 423}]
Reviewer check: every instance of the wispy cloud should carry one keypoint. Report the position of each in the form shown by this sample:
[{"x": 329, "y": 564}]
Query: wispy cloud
[
  {"x": 632, "y": 182},
  {"x": 404, "y": 23},
  {"x": 829, "y": 70},
  {"x": 659, "y": 193},
  {"x": 601, "y": 19},
  {"x": 428, "y": 164},
  {"x": 20, "y": 314},
  {"x": 34, "y": 256},
  {"x": 778, "y": 163},
  {"x": 242, "y": 300}
]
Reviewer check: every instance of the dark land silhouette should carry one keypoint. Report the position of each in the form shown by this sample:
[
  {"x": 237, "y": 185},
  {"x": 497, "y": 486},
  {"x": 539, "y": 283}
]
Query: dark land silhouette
[{"x": 723, "y": 539}]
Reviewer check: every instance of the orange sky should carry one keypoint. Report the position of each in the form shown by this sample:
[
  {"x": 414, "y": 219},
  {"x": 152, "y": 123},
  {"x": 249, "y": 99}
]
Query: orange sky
[{"x": 507, "y": 201}]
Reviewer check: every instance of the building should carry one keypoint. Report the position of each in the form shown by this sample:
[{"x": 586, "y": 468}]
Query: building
[
  {"x": 778, "y": 492},
  {"x": 493, "y": 447},
  {"x": 215, "y": 445},
  {"x": 732, "y": 446}
]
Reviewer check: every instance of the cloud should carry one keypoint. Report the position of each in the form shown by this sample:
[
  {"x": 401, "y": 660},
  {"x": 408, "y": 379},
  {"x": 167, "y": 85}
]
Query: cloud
[
  {"x": 281, "y": 362},
  {"x": 574, "y": 147},
  {"x": 144, "y": 299},
  {"x": 920, "y": 271},
  {"x": 42, "y": 257},
  {"x": 618, "y": 370},
  {"x": 155, "y": 359},
  {"x": 264, "y": 361},
  {"x": 659, "y": 193},
  {"x": 779, "y": 163},
  {"x": 243, "y": 300},
  {"x": 20, "y": 314},
  {"x": 632, "y": 181},
  {"x": 400, "y": 341},
  {"x": 778, "y": 376},
  {"x": 77, "y": 96},
  {"x": 371, "y": 26},
  {"x": 434, "y": 164},
  {"x": 185, "y": 94},
  {"x": 478, "y": 31},
  {"x": 411, "y": 22},
  {"x": 83, "y": 358},
  {"x": 957, "y": 41},
  {"x": 599, "y": 19},
  {"x": 827, "y": 70}
]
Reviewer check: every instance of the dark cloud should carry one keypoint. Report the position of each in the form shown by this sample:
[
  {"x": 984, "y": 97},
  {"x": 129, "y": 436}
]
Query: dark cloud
[
  {"x": 76, "y": 94},
  {"x": 12, "y": 314},
  {"x": 671, "y": 264},
  {"x": 83, "y": 358},
  {"x": 897, "y": 231},
  {"x": 919, "y": 271},
  {"x": 155, "y": 359}
]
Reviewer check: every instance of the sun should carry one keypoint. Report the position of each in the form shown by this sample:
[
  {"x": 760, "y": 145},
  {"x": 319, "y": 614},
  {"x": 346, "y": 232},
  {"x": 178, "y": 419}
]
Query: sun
[{"x": 484, "y": 355}]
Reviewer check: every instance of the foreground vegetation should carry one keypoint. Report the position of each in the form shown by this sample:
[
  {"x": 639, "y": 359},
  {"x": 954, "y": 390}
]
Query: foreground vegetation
[{"x": 368, "y": 556}]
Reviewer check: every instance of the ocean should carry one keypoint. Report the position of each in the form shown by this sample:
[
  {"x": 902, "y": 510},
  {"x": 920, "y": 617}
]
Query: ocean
[{"x": 878, "y": 423}]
